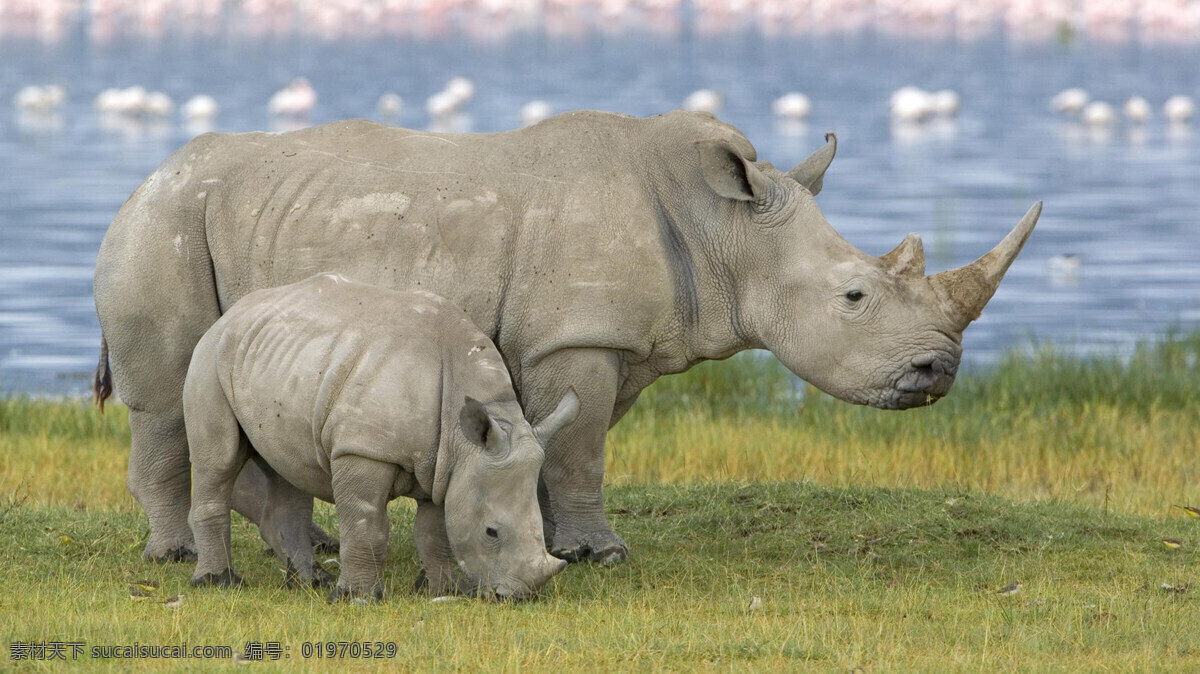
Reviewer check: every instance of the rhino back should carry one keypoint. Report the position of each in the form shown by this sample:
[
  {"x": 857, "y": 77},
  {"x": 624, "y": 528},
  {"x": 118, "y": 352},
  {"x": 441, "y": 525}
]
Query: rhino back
[{"x": 548, "y": 237}]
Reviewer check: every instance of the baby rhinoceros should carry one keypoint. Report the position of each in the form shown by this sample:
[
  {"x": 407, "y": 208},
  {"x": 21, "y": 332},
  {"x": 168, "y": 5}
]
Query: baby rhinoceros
[{"x": 357, "y": 394}]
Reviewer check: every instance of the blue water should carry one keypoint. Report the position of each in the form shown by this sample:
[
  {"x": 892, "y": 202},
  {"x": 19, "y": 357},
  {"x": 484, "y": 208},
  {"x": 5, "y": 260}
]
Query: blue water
[{"x": 1126, "y": 202}]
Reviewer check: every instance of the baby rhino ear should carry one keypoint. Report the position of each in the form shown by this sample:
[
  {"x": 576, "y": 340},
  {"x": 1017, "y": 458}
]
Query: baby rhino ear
[{"x": 474, "y": 422}]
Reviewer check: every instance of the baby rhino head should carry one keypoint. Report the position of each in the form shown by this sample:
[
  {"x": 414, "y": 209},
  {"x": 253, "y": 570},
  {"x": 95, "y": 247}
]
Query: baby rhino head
[{"x": 492, "y": 515}]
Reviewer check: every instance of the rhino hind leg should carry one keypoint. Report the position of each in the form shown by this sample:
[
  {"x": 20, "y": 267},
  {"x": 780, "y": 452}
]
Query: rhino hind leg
[
  {"x": 570, "y": 489},
  {"x": 218, "y": 451},
  {"x": 286, "y": 524},
  {"x": 160, "y": 480},
  {"x": 252, "y": 499},
  {"x": 154, "y": 292}
]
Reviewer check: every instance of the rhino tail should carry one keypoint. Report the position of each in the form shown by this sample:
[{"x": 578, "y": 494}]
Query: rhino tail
[{"x": 102, "y": 384}]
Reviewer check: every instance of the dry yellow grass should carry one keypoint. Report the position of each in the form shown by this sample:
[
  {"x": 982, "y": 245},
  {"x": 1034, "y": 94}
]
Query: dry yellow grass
[
  {"x": 1138, "y": 463},
  {"x": 1120, "y": 435}
]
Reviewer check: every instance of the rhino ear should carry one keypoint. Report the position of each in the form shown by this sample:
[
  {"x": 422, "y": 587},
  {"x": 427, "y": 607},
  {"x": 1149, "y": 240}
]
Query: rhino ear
[
  {"x": 475, "y": 422},
  {"x": 811, "y": 172},
  {"x": 728, "y": 173},
  {"x": 562, "y": 415},
  {"x": 906, "y": 260}
]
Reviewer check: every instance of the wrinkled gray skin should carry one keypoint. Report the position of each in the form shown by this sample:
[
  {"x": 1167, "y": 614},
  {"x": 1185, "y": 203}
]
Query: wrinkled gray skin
[
  {"x": 357, "y": 395},
  {"x": 592, "y": 248}
]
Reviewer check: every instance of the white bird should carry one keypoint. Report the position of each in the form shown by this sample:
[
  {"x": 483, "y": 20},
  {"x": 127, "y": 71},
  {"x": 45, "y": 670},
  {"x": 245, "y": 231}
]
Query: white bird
[
  {"x": 704, "y": 100},
  {"x": 128, "y": 101},
  {"x": 534, "y": 112},
  {"x": 792, "y": 105},
  {"x": 106, "y": 101},
  {"x": 200, "y": 108},
  {"x": 910, "y": 104},
  {"x": 945, "y": 103},
  {"x": 1098, "y": 114},
  {"x": 1179, "y": 109},
  {"x": 460, "y": 89},
  {"x": 1070, "y": 101},
  {"x": 390, "y": 105},
  {"x": 441, "y": 105},
  {"x": 295, "y": 100},
  {"x": 1137, "y": 110},
  {"x": 157, "y": 104},
  {"x": 1064, "y": 264},
  {"x": 40, "y": 99}
]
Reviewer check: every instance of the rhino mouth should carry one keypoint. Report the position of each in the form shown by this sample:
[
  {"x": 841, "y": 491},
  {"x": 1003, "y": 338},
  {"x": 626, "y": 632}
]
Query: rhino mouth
[
  {"x": 926, "y": 379},
  {"x": 503, "y": 593}
]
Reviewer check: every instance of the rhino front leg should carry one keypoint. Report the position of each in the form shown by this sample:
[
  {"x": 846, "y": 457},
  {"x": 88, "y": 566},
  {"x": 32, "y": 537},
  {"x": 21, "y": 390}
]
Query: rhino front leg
[
  {"x": 573, "y": 475},
  {"x": 439, "y": 571},
  {"x": 360, "y": 494}
]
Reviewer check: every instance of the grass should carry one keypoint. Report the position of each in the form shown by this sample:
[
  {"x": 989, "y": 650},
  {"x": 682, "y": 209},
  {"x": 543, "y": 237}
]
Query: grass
[
  {"x": 876, "y": 540},
  {"x": 1105, "y": 432}
]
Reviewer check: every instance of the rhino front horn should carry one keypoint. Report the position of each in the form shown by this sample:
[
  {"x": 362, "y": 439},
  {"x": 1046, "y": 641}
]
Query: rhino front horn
[{"x": 966, "y": 290}]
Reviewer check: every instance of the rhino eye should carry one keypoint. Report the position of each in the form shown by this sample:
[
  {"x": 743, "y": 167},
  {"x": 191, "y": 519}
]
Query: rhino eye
[
  {"x": 854, "y": 295},
  {"x": 491, "y": 531}
]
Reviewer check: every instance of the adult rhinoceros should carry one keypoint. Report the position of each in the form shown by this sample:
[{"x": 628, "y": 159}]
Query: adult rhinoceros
[{"x": 595, "y": 249}]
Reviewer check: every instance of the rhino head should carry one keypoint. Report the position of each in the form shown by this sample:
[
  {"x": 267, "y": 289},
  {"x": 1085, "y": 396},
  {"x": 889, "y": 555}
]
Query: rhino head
[
  {"x": 493, "y": 520},
  {"x": 869, "y": 330}
]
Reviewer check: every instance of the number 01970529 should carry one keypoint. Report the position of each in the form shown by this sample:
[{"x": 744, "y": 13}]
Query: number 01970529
[{"x": 348, "y": 649}]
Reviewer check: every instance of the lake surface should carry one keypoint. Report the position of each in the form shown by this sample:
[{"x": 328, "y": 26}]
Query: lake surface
[{"x": 1126, "y": 201}]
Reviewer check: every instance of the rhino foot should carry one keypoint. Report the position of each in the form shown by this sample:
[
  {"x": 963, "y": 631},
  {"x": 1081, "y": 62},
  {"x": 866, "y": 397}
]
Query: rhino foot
[
  {"x": 317, "y": 577},
  {"x": 323, "y": 543},
  {"x": 182, "y": 553},
  {"x": 226, "y": 578},
  {"x": 421, "y": 584},
  {"x": 600, "y": 548},
  {"x": 344, "y": 594},
  {"x": 446, "y": 585}
]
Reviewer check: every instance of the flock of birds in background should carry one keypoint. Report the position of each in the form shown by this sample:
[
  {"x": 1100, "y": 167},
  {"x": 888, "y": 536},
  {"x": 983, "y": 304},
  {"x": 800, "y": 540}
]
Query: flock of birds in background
[{"x": 908, "y": 105}]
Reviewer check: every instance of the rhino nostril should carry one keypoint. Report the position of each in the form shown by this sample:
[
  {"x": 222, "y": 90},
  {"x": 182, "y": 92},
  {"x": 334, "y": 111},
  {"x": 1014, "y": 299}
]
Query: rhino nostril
[{"x": 924, "y": 360}]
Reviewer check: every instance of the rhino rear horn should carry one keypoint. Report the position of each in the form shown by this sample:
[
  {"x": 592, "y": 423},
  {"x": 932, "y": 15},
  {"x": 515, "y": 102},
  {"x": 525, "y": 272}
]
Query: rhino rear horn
[
  {"x": 906, "y": 260},
  {"x": 966, "y": 290},
  {"x": 811, "y": 172}
]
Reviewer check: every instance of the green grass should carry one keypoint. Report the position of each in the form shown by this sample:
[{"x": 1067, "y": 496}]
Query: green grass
[
  {"x": 875, "y": 539},
  {"x": 884, "y": 579}
]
